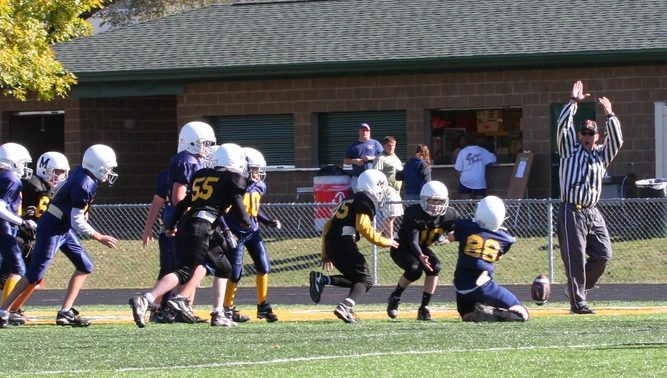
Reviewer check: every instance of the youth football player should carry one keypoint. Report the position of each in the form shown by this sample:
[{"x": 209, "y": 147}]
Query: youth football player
[
  {"x": 423, "y": 225},
  {"x": 482, "y": 243},
  {"x": 353, "y": 217}
]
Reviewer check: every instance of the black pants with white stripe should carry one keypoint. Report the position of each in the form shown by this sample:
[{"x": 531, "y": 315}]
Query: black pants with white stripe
[{"x": 585, "y": 249}]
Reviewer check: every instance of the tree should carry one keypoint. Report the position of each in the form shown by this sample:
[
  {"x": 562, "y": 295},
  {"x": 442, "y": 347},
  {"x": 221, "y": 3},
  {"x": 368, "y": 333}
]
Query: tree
[
  {"x": 28, "y": 29},
  {"x": 126, "y": 12}
]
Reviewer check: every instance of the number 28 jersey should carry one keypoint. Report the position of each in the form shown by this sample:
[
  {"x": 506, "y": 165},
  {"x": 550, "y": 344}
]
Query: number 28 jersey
[{"x": 479, "y": 249}]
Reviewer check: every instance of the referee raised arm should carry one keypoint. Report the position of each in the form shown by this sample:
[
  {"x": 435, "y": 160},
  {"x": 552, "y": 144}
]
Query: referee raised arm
[{"x": 584, "y": 241}]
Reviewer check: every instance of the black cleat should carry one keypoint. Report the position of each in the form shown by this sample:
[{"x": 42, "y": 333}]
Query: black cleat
[
  {"x": 392, "y": 306},
  {"x": 264, "y": 311},
  {"x": 423, "y": 313},
  {"x": 316, "y": 286},
  {"x": 583, "y": 310},
  {"x": 71, "y": 318},
  {"x": 234, "y": 315}
]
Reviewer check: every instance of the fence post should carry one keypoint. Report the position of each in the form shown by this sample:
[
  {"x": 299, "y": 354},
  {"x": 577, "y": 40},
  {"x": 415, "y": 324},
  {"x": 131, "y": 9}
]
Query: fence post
[
  {"x": 550, "y": 243},
  {"x": 374, "y": 256}
]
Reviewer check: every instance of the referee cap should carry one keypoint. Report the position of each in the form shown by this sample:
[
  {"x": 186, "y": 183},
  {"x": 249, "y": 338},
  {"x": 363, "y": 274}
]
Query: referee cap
[{"x": 589, "y": 125}]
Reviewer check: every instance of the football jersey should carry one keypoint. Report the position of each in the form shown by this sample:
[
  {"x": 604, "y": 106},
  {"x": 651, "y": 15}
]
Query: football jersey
[
  {"x": 182, "y": 167},
  {"x": 214, "y": 190},
  {"x": 347, "y": 211},
  {"x": 479, "y": 249},
  {"x": 251, "y": 199},
  {"x": 427, "y": 228},
  {"x": 10, "y": 192},
  {"x": 78, "y": 191},
  {"x": 35, "y": 194}
]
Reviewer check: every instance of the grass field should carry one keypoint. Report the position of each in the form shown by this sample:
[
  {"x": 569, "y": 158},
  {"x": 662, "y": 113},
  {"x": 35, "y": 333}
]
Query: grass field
[
  {"x": 620, "y": 341},
  {"x": 129, "y": 266}
]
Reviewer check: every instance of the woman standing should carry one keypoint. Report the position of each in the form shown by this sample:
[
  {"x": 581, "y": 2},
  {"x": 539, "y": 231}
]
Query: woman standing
[{"x": 417, "y": 172}]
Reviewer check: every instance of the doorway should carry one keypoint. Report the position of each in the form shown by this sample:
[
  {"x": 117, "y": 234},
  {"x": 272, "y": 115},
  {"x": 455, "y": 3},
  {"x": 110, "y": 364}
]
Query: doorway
[{"x": 39, "y": 132}]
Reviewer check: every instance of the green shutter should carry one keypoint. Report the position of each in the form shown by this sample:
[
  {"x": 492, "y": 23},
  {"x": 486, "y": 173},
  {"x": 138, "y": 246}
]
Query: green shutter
[
  {"x": 272, "y": 135},
  {"x": 338, "y": 130}
]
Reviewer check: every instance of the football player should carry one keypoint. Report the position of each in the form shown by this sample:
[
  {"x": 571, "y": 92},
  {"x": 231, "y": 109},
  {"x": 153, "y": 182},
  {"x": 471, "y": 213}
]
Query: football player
[
  {"x": 52, "y": 169},
  {"x": 213, "y": 191},
  {"x": 196, "y": 141},
  {"x": 353, "y": 217},
  {"x": 58, "y": 227},
  {"x": 482, "y": 243},
  {"x": 423, "y": 225},
  {"x": 251, "y": 239},
  {"x": 14, "y": 159}
]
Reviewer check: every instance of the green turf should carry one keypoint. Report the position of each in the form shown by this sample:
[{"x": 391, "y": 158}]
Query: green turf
[
  {"x": 130, "y": 266},
  {"x": 584, "y": 346}
]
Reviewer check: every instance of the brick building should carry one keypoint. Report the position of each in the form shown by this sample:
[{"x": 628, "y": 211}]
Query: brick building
[{"x": 295, "y": 78}]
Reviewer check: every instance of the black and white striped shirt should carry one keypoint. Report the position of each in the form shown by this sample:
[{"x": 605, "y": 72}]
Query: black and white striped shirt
[{"x": 581, "y": 171}]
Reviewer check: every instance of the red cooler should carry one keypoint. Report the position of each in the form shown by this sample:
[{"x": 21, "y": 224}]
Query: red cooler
[{"x": 329, "y": 189}]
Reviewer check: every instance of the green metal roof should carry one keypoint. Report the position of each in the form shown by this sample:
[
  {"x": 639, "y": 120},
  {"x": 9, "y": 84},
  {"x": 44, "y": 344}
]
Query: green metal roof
[{"x": 297, "y": 38}]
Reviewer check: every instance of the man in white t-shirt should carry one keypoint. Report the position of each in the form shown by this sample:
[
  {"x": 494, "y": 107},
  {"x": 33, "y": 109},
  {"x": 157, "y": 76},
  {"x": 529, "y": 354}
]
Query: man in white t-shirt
[
  {"x": 471, "y": 165},
  {"x": 390, "y": 164}
]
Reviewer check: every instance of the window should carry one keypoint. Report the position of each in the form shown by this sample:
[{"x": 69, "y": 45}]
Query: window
[{"x": 498, "y": 130}]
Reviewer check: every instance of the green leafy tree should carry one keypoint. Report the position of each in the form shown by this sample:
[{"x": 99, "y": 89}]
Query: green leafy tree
[
  {"x": 121, "y": 13},
  {"x": 28, "y": 30}
]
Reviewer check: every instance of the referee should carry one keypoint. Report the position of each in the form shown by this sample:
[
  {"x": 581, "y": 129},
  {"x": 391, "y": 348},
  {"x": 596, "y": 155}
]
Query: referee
[{"x": 584, "y": 241}]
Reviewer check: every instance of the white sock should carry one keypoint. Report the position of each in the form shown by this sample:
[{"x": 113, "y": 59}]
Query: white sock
[
  {"x": 349, "y": 302},
  {"x": 149, "y": 297},
  {"x": 218, "y": 310}
]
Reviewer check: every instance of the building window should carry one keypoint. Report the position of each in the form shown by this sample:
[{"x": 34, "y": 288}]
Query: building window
[{"x": 498, "y": 130}]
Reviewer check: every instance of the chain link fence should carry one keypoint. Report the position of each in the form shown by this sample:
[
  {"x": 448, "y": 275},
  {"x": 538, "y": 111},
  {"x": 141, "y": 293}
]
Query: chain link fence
[{"x": 638, "y": 229}]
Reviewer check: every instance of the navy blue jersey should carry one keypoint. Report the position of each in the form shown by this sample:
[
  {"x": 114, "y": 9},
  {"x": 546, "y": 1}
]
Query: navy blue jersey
[
  {"x": 35, "y": 195},
  {"x": 181, "y": 168},
  {"x": 251, "y": 199},
  {"x": 420, "y": 230},
  {"x": 479, "y": 249},
  {"x": 77, "y": 192},
  {"x": 10, "y": 192},
  {"x": 163, "y": 190}
]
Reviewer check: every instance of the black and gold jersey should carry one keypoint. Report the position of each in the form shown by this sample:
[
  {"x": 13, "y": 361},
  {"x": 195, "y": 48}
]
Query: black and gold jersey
[
  {"x": 420, "y": 230},
  {"x": 35, "y": 196},
  {"x": 353, "y": 217}
]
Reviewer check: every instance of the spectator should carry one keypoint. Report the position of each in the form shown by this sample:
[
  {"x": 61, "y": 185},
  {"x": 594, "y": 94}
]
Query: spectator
[
  {"x": 417, "y": 172},
  {"x": 361, "y": 153},
  {"x": 389, "y": 164},
  {"x": 471, "y": 165}
]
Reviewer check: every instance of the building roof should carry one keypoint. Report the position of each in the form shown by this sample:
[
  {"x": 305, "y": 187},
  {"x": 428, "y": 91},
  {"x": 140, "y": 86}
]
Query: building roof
[{"x": 261, "y": 39}]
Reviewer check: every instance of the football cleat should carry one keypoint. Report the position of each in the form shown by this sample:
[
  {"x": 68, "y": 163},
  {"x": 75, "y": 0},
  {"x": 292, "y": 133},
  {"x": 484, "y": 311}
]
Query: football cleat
[
  {"x": 17, "y": 317},
  {"x": 316, "y": 286},
  {"x": 234, "y": 315},
  {"x": 139, "y": 306},
  {"x": 221, "y": 320},
  {"x": 4, "y": 319},
  {"x": 486, "y": 313},
  {"x": 392, "y": 306},
  {"x": 71, "y": 318},
  {"x": 264, "y": 311},
  {"x": 583, "y": 310},
  {"x": 423, "y": 313},
  {"x": 345, "y": 313},
  {"x": 181, "y": 306}
]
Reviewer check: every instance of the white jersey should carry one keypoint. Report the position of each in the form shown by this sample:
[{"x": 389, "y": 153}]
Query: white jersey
[{"x": 472, "y": 162}]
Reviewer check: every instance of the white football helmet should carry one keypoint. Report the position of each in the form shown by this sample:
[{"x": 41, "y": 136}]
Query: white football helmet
[
  {"x": 255, "y": 160},
  {"x": 52, "y": 167},
  {"x": 434, "y": 198},
  {"x": 208, "y": 162},
  {"x": 196, "y": 138},
  {"x": 374, "y": 184},
  {"x": 100, "y": 160},
  {"x": 232, "y": 157},
  {"x": 15, "y": 158},
  {"x": 490, "y": 213}
]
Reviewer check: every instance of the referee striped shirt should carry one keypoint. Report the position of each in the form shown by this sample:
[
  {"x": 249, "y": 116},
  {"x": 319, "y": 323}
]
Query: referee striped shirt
[{"x": 581, "y": 171}]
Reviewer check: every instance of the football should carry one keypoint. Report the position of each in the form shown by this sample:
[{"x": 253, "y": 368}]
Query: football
[{"x": 540, "y": 290}]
